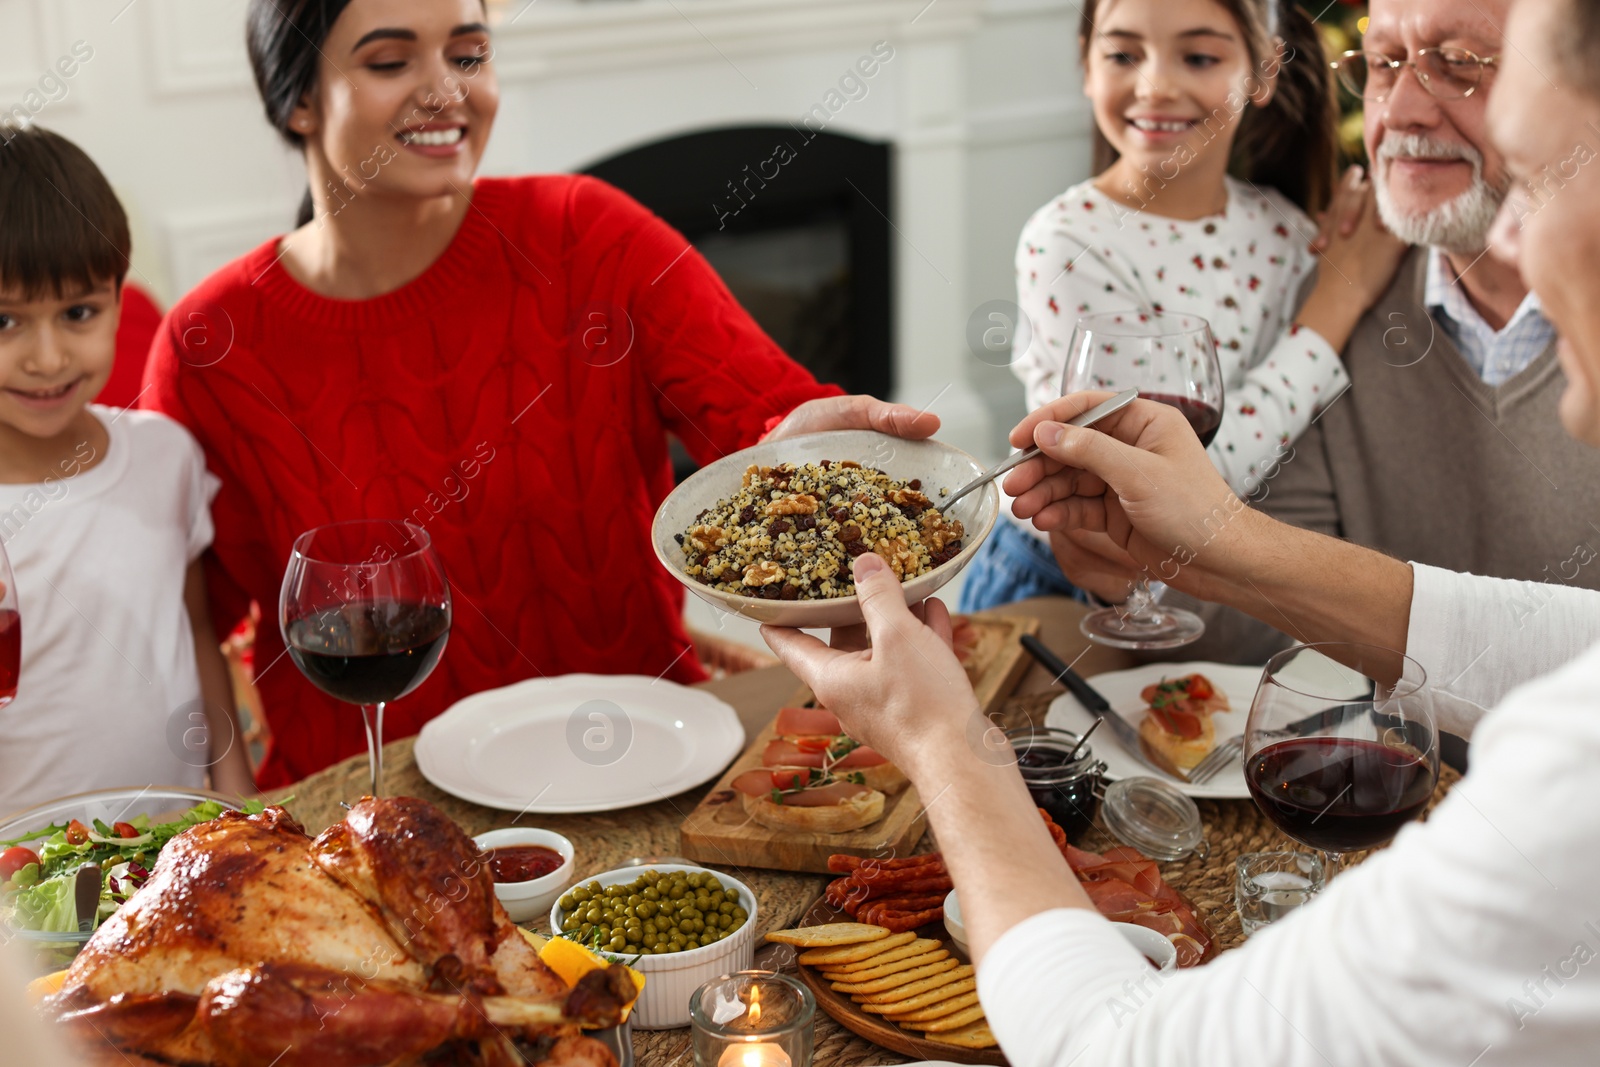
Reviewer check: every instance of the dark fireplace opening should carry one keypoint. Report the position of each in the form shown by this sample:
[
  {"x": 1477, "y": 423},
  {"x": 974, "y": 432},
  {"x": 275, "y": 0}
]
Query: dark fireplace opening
[{"x": 796, "y": 221}]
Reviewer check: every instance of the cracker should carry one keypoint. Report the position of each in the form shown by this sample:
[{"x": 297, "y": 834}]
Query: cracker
[
  {"x": 826, "y": 957},
  {"x": 917, "y": 947},
  {"x": 829, "y": 935},
  {"x": 937, "y": 1011},
  {"x": 914, "y": 986},
  {"x": 976, "y": 1035},
  {"x": 919, "y": 1000},
  {"x": 954, "y": 1021},
  {"x": 895, "y": 981},
  {"x": 907, "y": 964}
]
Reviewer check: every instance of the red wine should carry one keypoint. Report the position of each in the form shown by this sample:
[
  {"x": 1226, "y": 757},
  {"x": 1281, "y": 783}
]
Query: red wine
[
  {"x": 1205, "y": 419},
  {"x": 1339, "y": 793},
  {"x": 10, "y": 654},
  {"x": 369, "y": 651}
]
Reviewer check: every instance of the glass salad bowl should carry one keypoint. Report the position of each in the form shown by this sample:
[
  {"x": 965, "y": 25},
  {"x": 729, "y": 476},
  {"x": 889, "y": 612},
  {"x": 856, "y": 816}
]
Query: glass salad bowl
[{"x": 119, "y": 830}]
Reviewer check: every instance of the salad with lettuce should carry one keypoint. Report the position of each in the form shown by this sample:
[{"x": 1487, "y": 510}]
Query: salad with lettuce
[{"x": 39, "y": 871}]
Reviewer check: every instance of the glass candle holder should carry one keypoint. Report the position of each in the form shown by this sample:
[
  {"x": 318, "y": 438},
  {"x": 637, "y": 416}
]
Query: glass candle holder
[
  {"x": 1272, "y": 884},
  {"x": 752, "y": 1019}
]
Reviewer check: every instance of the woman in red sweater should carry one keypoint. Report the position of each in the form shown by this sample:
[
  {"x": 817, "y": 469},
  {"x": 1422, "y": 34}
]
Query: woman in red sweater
[{"x": 499, "y": 360}]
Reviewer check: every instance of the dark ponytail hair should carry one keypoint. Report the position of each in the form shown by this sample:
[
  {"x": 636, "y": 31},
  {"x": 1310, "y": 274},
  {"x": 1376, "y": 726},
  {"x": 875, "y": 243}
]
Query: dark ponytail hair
[
  {"x": 1580, "y": 49},
  {"x": 1292, "y": 143},
  {"x": 285, "y": 39}
]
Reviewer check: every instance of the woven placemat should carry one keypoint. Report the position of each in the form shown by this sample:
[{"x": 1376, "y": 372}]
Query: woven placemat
[{"x": 1232, "y": 828}]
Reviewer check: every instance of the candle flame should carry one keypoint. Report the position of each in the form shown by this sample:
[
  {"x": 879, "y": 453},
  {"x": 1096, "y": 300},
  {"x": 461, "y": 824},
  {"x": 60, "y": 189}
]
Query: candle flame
[{"x": 755, "y": 1005}]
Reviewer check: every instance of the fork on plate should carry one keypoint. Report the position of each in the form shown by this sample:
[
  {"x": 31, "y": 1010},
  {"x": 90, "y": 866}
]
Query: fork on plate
[{"x": 1220, "y": 759}]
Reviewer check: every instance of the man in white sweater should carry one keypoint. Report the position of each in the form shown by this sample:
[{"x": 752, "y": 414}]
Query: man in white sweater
[{"x": 1475, "y": 939}]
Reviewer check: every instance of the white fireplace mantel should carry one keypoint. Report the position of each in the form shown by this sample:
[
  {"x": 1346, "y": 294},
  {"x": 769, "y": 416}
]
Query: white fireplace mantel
[{"x": 547, "y": 38}]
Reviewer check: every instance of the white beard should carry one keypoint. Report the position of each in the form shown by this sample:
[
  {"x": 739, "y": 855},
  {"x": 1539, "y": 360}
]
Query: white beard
[{"x": 1460, "y": 226}]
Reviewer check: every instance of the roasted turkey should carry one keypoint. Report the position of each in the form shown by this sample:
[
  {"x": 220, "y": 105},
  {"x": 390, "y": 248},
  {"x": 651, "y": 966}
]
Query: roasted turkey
[{"x": 380, "y": 942}]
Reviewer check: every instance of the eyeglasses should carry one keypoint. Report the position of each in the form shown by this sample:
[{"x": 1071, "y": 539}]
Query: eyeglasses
[{"x": 1446, "y": 73}]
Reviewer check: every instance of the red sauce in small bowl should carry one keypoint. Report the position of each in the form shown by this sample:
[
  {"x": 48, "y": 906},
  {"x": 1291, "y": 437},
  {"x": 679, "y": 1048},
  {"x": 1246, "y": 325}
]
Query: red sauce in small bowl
[{"x": 523, "y": 863}]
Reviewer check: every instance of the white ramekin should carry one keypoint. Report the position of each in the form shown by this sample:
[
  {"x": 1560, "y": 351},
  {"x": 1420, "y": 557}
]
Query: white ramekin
[
  {"x": 526, "y": 901},
  {"x": 953, "y": 924},
  {"x": 1162, "y": 954},
  {"x": 672, "y": 978}
]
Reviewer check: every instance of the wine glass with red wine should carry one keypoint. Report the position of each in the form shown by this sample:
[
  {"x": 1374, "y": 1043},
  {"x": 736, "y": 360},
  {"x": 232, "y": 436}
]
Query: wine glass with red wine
[
  {"x": 1341, "y": 748},
  {"x": 1172, "y": 359},
  {"x": 365, "y": 615},
  {"x": 10, "y": 633}
]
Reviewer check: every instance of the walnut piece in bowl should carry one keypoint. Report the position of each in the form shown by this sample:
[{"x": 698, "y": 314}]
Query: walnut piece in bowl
[{"x": 768, "y": 533}]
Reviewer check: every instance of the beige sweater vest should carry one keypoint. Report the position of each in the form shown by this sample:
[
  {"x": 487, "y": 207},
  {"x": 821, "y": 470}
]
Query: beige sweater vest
[{"x": 1421, "y": 460}]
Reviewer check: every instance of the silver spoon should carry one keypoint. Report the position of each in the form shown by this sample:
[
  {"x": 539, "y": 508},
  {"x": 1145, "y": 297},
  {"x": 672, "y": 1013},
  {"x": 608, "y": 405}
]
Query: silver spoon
[
  {"x": 1088, "y": 418},
  {"x": 1072, "y": 757}
]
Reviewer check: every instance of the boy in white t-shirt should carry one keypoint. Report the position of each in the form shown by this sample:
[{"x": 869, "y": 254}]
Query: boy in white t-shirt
[{"x": 103, "y": 512}]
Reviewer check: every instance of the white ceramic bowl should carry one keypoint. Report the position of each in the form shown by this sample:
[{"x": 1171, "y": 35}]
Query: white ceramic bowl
[
  {"x": 672, "y": 978},
  {"x": 953, "y": 924},
  {"x": 1162, "y": 954},
  {"x": 526, "y": 901},
  {"x": 940, "y": 466}
]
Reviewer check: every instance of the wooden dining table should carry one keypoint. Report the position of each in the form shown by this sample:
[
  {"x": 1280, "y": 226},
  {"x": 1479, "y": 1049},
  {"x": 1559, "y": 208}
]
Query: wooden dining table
[{"x": 605, "y": 840}]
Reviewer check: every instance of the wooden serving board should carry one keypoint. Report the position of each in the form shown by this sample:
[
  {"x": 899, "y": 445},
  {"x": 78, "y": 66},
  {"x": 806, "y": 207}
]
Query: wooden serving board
[
  {"x": 875, "y": 1028},
  {"x": 718, "y": 831},
  {"x": 1006, "y": 662}
]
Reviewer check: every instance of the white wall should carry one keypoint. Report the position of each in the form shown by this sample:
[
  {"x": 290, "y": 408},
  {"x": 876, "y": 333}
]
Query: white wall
[
  {"x": 989, "y": 112},
  {"x": 165, "y": 107},
  {"x": 1030, "y": 130}
]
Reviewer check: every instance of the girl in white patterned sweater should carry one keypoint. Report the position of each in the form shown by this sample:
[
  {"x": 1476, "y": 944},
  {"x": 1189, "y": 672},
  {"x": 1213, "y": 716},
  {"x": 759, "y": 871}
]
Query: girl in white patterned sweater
[{"x": 1181, "y": 89}]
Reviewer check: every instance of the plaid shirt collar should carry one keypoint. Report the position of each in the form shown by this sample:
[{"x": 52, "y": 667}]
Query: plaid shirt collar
[{"x": 1497, "y": 357}]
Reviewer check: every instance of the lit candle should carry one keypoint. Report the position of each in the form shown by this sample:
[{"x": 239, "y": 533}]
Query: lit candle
[
  {"x": 758, "y": 1055},
  {"x": 752, "y": 1019},
  {"x": 761, "y": 1054}
]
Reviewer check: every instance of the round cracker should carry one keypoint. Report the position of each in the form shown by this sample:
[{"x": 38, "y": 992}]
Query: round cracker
[
  {"x": 915, "y": 986},
  {"x": 827, "y": 957},
  {"x": 916, "y": 947},
  {"x": 921, "y": 1000},
  {"x": 975, "y": 1035},
  {"x": 954, "y": 1021},
  {"x": 829, "y": 935},
  {"x": 907, "y": 964},
  {"x": 937, "y": 1011},
  {"x": 895, "y": 981}
]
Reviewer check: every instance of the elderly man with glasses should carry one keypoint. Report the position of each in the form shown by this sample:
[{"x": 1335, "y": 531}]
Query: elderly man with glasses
[{"x": 1446, "y": 448}]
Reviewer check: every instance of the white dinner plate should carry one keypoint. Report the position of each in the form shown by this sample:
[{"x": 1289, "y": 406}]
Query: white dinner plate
[
  {"x": 579, "y": 742},
  {"x": 1121, "y": 690}
]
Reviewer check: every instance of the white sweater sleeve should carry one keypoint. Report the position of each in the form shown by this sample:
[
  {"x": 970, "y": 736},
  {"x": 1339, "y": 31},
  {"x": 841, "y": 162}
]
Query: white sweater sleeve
[
  {"x": 1081, "y": 257},
  {"x": 1285, "y": 387},
  {"x": 1471, "y": 933},
  {"x": 1273, "y": 406},
  {"x": 1061, "y": 277},
  {"x": 1479, "y": 637}
]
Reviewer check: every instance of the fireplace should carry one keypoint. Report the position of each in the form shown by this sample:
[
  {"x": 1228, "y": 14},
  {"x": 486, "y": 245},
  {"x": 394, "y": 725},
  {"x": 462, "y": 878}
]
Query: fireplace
[{"x": 796, "y": 221}]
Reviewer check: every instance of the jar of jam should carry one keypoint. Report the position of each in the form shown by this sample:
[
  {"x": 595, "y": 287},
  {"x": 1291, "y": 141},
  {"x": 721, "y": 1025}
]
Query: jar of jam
[{"x": 1067, "y": 788}]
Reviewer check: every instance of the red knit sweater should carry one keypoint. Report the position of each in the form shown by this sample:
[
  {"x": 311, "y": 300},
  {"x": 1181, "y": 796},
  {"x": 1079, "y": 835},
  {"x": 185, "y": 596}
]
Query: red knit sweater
[{"x": 514, "y": 399}]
